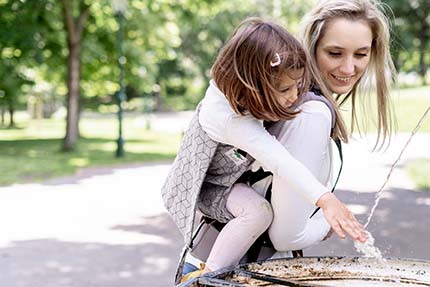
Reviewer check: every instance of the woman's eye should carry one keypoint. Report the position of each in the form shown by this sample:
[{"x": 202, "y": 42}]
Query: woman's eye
[
  {"x": 361, "y": 55},
  {"x": 334, "y": 54},
  {"x": 285, "y": 90}
]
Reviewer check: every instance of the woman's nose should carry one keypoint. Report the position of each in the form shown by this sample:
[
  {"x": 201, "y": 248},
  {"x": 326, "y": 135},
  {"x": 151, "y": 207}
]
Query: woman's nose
[{"x": 347, "y": 67}]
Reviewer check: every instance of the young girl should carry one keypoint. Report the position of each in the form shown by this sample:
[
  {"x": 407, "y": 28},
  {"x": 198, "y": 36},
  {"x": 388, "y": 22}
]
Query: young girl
[{"x": 257, "y": 79}]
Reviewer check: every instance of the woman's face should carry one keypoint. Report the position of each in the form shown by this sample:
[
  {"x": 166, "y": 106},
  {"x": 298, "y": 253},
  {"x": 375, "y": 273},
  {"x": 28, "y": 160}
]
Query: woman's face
[{"x": 343, "y": 53}]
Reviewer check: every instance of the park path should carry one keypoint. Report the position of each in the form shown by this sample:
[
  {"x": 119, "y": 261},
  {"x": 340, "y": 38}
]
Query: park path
[{"x": 107, "y": 227}]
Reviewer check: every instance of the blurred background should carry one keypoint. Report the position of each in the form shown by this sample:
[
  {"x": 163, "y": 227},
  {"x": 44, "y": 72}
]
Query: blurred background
[
  {"x": 83, "y": 76},
  {"x": 94, "y": 98}
]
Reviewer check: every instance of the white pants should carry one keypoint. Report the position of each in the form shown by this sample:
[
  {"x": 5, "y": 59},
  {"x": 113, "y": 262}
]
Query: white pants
[
  {"x": 253, "y": 215},
  {"x": 307, "y": 138}
]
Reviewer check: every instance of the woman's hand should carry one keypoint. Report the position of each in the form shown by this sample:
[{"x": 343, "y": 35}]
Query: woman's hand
[{"x": 341, "y": 218}]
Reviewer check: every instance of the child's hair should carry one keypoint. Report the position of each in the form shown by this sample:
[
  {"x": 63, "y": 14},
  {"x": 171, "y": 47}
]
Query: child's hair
[{"x": 251, "y": 64}]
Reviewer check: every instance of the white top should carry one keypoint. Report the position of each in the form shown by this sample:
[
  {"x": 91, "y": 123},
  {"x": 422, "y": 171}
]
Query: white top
[{"x": 247, "y": 133}]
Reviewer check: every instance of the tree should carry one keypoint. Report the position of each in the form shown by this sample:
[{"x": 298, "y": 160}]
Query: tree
[
  {"x": 412, "y": 33},
  {"x": 170, "y": 46},
  {"x": 18, "y": 51},
  {"x": 74, "y": 26}
]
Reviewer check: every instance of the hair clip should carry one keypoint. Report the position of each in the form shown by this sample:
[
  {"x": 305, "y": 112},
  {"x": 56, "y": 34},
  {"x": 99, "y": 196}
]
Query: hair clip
[{"x": 276, "y": 62}]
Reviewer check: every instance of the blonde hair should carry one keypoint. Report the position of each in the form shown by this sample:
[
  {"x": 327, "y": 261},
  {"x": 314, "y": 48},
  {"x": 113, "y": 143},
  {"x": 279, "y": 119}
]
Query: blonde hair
[
  {"x": 250, "y": 65},
  {"x": 380, "y": 69}
]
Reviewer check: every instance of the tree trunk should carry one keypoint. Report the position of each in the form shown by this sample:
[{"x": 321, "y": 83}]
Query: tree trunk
[
  {"x": 159, "y": 94},
  {"x": 73, "y": 83},
  {"x": 2, "y": 116},
  {"x": 11, "y": 114},
  {"x": 423, "y": 36},
  {"x": 74, "y": 27}
]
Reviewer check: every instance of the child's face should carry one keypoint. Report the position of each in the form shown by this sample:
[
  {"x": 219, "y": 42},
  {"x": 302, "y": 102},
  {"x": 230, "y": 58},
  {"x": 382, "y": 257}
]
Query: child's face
[
  {"x": 288, "y": 86},
  {"x": 343, "y": 53}
]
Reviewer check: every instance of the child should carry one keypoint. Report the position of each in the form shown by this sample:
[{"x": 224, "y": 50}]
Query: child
[{"x": 257, "y": 79}]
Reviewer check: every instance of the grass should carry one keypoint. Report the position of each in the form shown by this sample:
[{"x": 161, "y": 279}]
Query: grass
[
  {"x": 409, "y": 105},
  {"x": 32, "y": 151},
  {"x": 419, "y": 171}
]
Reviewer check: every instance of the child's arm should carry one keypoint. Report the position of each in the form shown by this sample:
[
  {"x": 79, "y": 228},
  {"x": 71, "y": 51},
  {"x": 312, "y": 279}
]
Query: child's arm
[
  {"x": 223, "y": 125},
  {"x": 248, "y": 134}
]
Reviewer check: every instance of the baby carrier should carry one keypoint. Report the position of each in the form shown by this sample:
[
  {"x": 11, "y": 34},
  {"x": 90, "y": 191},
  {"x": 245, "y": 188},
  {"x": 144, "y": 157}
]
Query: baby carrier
[{"x": 207, "y": 231}]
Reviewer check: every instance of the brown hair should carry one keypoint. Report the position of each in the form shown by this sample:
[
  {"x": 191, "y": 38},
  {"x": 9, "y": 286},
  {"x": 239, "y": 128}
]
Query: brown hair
[
  {"x": 251, "y": 64},
  {"x": 381, "y": 68}
]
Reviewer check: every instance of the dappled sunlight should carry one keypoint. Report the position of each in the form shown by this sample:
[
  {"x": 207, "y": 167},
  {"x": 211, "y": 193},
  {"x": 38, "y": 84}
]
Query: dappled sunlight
[
  {"x": 106, "y": 227},
  {"x": 386, "y": 194},
  {"x": 38, "y": 159},
  {"x": 154, "y": 265},
  {"x": 32, "y": 153},
  {"x": 358, "y": 208},
  {"x": 59, "y": 211},
  {"x": 57, "y": 266},
  {"x": 106, "y": 146},
  {"x": 423, "y": 201},
  {"x": 50, "y": 262},
  {"x": 79, "y": 162}
]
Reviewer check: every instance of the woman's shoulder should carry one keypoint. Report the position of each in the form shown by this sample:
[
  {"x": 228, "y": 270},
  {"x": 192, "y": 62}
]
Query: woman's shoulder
[
  {"x": 313, "y": 102},
  {"x": 315, "y": 106}
]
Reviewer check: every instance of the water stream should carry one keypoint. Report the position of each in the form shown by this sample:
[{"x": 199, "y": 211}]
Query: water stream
[{"x": 368, "y": 248}]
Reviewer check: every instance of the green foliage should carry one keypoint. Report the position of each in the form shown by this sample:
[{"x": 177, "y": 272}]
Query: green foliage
[
  {"x": 169, "y": 45},
  {"x": 411, "y": 35},
  {"x": 31, "y": 151}
]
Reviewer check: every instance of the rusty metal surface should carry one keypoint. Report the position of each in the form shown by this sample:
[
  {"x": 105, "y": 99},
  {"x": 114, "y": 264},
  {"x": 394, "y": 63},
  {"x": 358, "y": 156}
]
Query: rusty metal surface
[{"x": 322, "y": 271}]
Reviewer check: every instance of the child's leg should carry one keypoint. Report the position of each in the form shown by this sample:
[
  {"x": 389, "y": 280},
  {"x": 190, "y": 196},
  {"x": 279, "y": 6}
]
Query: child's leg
[
  {"x": 307, "y": 138},
  {"x": 253, "y": 215}
]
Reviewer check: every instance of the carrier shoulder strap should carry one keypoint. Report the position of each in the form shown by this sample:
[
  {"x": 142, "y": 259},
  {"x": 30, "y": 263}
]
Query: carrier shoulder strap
[{"x": 339, "y": 148}]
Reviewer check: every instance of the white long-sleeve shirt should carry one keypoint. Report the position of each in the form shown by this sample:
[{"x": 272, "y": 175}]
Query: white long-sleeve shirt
[{"x": 247, "y": 133}]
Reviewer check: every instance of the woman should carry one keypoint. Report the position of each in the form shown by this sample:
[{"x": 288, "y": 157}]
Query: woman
[
  {"x": 257, "y": 77},
  {"x": 348, "y": 44},
  {"x": 346, "y": 65}
]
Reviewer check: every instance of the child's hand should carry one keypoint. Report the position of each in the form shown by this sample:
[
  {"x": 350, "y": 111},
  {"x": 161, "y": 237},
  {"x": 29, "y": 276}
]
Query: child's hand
[{"x": 340, "y": 218}]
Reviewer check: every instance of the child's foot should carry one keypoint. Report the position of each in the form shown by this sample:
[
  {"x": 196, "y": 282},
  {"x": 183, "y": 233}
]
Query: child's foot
[
  {"x": 195, "y": 274},
  {"x": 188, "y": 267}
]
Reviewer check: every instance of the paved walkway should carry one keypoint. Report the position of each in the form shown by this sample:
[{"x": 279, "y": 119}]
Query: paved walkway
[{"x": 107, "y": 227}]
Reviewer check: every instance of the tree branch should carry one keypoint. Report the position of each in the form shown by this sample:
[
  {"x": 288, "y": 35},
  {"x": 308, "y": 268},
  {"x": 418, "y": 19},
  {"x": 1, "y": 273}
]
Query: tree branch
[
  {"x": 84, "y": 13},
  {"x": 68, "y": 21}
]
